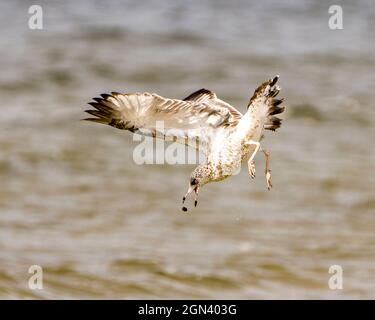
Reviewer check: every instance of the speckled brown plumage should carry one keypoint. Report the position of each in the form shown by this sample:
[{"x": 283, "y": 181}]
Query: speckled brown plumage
[{"x": 225, "y": 136}]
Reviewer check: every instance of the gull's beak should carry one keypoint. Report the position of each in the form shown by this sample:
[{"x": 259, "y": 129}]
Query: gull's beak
[{"x": 190, "y": 190}]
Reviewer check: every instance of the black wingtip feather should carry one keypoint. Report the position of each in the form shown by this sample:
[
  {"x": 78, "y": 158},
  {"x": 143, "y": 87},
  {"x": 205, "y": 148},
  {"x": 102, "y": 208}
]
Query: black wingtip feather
[
  {"x": 97, "y": 113},
  {"x": 97, "y": 120},
  {"x": 274, "y": 80},
  {"x": 276, "y": 110},
  {"x": 105, "y": 95}
]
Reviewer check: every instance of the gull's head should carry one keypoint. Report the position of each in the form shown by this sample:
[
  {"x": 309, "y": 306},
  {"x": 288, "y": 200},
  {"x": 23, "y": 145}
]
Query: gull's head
[{"x": 199, "y": 177}]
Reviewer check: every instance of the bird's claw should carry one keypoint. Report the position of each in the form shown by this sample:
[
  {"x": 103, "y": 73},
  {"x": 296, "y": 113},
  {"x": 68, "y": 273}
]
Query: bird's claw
[
  {"x": 269, "y": 179},
  {"x": 252, "y": 169}
]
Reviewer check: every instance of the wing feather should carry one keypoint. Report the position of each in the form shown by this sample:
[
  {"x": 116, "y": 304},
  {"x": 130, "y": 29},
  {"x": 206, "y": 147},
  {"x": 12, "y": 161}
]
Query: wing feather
[{"x": 191, "y": 121}]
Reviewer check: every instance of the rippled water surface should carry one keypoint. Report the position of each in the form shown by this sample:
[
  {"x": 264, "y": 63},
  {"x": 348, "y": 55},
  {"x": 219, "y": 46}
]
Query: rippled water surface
[{"x": 73, "y": 201}]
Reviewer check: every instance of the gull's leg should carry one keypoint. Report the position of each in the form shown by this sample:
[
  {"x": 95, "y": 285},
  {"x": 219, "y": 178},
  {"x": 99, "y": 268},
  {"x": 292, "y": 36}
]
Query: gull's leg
[
  {"x": 268, "y": 170},
  {"x": 257, "y": 146},
  {"x": 250, "y": 163}
]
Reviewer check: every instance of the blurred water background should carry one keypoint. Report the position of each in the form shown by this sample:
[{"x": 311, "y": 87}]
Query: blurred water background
[{"x": 73, "y": 201}]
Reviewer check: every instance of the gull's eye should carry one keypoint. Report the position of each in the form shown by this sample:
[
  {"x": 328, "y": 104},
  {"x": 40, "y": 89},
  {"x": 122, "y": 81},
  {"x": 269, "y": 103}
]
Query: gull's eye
[{"x": 193, "y": 181}]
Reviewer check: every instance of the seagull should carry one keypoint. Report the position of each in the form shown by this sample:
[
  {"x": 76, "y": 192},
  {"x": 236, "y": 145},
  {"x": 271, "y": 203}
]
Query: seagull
[{"x": 202, "y": 121}]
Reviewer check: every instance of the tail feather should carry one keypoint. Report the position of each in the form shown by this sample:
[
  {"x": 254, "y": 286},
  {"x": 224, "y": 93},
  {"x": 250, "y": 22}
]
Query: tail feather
[{"x": 265, "y": 94}]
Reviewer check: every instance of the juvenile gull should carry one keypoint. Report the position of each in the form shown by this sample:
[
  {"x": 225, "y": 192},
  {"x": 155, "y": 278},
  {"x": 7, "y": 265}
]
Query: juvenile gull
[{"x": 225, "y": 136}]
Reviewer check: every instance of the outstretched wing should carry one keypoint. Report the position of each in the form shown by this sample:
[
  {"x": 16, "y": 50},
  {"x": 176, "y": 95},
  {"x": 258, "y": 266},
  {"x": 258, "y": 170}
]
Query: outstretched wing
[{"x": 191, "y": 121}]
